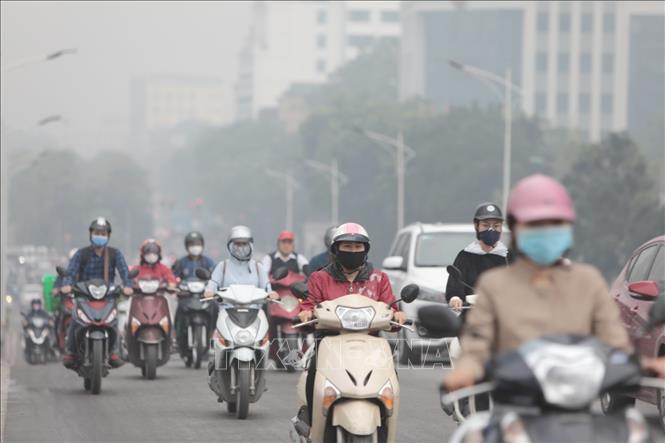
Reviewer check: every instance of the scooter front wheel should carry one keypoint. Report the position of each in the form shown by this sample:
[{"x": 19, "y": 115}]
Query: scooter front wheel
[
  {"x": 347, "y": 437},
  {"x": 97, "y": 367},
  {"x": 242, "y": 393},
  {"x": 150, "y": 362}
]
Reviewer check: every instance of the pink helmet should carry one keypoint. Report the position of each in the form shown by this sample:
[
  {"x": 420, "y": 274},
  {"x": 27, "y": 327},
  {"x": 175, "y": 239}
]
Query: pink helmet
[{"x": 539, "y": 197}]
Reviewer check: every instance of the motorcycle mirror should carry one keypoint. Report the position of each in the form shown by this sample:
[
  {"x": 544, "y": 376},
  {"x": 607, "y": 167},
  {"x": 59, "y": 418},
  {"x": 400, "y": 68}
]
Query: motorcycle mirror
[
  {"x": 300, "y": 290},
  {"x": 280, "y": 273},
  {"x": 657, "y": 312},
  {"x": 203, "y": 274},
  {"x": 409, "y": 293},
  {"x": 62, "y": 272},
  {"x": 440, "y": 321},
  {"x": 133, "y": 273}
]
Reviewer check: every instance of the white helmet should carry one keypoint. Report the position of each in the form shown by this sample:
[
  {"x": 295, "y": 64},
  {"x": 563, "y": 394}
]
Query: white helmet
[
  {"x": 240, "y": 233},
  {"x": 350, "y": 232}
]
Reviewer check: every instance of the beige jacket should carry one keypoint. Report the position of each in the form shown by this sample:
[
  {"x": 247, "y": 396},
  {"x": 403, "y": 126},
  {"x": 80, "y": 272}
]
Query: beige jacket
[{"x": 518, "y": 303}]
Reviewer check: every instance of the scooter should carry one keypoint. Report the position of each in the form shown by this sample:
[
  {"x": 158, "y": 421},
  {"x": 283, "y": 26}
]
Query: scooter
[
  {"x": 286, "y": 341},
  {"x": 196, "y": 317},
  {"x": 36, "y": 339},
  {"x": 543, "y": 391},
  {"x": 148, "y": 329},
  {"x": 356, "y": 390}
]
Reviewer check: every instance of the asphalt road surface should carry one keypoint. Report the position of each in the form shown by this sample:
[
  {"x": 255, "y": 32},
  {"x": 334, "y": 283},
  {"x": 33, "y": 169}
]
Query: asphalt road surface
[{"x": 48, "y": 404}]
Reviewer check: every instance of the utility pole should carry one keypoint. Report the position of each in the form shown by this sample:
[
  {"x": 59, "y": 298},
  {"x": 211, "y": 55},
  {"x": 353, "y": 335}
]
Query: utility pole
[
  {"x": 290, "y": 185},
  {"x": 337, "y": 179}
]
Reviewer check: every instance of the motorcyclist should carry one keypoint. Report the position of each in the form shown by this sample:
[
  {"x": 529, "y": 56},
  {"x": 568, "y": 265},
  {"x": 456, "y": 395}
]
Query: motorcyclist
[
  {"x": 151, "y": 266},
  {"x": 285, "y": 255},
  {"x": 542, "y": 292},
  {"x": 37, "y": 310},
  {"x": 323, "y": 259},
  {"x": 185, "y": 268},
  {"x": 348, "y": 273},
  {"x": 95, "y": 261}
]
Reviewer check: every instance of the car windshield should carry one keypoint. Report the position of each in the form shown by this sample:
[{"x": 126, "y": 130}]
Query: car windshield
[{"x": 440, "y": 248}]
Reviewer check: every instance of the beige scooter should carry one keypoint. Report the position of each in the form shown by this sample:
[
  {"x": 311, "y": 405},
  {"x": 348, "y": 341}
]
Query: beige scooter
[{"x": 356, "y": 391}]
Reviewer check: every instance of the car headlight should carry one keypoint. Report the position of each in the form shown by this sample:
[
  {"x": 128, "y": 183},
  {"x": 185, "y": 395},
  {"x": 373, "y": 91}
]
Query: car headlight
[
  {"x": 244, "y": 337},
  {"x": 512, "y": 428},
  {"x": 196, "y": 287},
  {"x": 289, "y": 303},
  {"x": 148, "y": 286},
  {"x": 387, "y": 396},
  {"x": 97, "y": 292},
  {"x": 355, "y": 319},
  {"x": 330, "y": 395},
  {"x": 112, "y": 315},
  {"x": 81, "y": 315}
]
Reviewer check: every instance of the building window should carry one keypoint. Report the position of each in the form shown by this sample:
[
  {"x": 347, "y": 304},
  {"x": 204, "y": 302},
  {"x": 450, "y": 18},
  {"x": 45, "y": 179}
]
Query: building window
[
  {"x": 359, "y": 15},
  {"x": 585, "y": 63},
  {"x": 360, "y": 41},
  {"x": 608, "y": 23},
  {"x": 322, "y": 16},
  {"x": 608, "y": 63},
  {"x": 587, "y": 22},
  {"x": 321, "y": 41},
  {"x": 543, "y": 22},
  {"x": 541, "y": 62},
  {"x": 564, "y": 62},
  {"x": 606, "y": 103},
  {"x": 584, "y": 105},
  {"x": 390, "y": 16},
  {"x": 541, "y": 103},
  {"x": 564, "y": 22},
  {"x": 562, "y": 103}
]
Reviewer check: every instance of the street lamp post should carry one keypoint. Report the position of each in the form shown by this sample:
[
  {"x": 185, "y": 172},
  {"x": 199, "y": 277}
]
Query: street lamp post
[
  {"x": 337, "y": 179},
  {"x": 492, "y": 81},
  {"x": 403, "y": 154},
  {"x": 290, "y": 185}
]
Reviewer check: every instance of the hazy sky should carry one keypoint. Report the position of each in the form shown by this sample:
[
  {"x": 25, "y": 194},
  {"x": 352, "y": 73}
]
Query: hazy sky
[{"x": 116, "y": 41}]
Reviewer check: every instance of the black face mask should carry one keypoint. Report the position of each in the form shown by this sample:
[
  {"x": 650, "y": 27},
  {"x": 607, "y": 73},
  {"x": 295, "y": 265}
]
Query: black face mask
[
  {"x": 489, "y": 237},
  {"x": 351, "y": 260}
]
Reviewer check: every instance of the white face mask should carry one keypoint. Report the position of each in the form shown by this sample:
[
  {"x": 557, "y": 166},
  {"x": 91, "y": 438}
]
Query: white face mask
[
  {"x": 195, "y": 250},
  {"x": 151, "y": 258}
]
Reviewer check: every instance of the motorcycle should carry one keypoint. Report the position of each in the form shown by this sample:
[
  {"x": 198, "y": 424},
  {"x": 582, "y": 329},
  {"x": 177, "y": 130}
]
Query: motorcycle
[
  {"x": 356, "y": 390},
  {"x": 240, "y": 344},
  {"x": 36, "y": 339},
  {"x": 148, "y": 328},
  {"x": 96, "y": 314},
  {"x": 196, "y": 317},
  {"x": 543, "y": 391},
  {"x": 286, "y": 341}
]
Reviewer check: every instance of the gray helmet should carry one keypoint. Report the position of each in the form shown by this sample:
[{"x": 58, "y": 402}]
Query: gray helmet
[
  {"x": 487, "y": 211},
  {"x": 100, "y": 224},
  {"x": 240, "y": 233},
  {"x": 327, "y": 238}
]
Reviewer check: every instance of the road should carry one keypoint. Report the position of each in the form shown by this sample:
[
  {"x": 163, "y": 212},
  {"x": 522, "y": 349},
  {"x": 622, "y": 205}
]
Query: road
[{"x": 48, "y": 404}]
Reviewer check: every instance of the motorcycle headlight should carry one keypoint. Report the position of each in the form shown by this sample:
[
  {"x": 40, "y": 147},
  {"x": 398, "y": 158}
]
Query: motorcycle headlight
[
  {"x": 330, "y": 395},
  {"x": 148, "y": 286},
  {"x": 512, "y": 428},
  {"x": 112, "y": 315},
  {"x": 355, "y": 319},
  {"x": 387, "y": 396},
  {"x": 84, "y": 318},
  {"x": 289, "y": 303},
  {"x": 244, "y": 337},
  {"x": 196, "y": 287},
  {"x": 97, "y": 292},
  {"x": 38, "y": 322}
]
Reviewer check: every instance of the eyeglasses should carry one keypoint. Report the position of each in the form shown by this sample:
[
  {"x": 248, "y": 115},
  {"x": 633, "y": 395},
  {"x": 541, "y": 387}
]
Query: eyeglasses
[{"x": 485, "y": 226}]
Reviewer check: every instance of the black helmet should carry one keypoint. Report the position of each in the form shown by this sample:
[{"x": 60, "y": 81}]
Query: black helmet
[
  {"x": 35, "y": 301},
  {"x": 194, "y": 237},
  {"x": 327, "y": 238},
  {"x": 100, "y": 224},
  {"x": 487, "y": 211}
]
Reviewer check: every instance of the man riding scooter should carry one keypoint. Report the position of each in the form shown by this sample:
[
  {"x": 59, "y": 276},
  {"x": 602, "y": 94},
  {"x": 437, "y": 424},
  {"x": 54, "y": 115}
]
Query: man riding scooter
[
  {"x": 97, "y": 261},
  {"x": 349, "y": 273}
]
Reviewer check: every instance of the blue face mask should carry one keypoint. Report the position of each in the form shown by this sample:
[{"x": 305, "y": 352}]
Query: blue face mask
[
  {"x": 489, "y": 237},
  {"x": 99, "y": 240},
  {"x": 544, "y": 246}
]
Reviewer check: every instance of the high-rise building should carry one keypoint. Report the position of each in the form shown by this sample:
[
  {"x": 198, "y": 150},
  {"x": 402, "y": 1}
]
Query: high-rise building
[
  {"x": 594, "y": 66},
  {"x": 303, "y": 42}
]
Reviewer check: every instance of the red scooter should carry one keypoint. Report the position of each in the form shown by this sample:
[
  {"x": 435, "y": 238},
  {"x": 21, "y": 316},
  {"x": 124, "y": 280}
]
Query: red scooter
[
  {"x": 148, "y": 329},
  {"x": 286, "y": 342}
]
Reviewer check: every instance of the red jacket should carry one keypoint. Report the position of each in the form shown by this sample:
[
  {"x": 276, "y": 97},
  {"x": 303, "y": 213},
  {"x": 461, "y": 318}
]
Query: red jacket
[
  {"x": 330, "y": 283},
  {"x": 157, "y": 271}
]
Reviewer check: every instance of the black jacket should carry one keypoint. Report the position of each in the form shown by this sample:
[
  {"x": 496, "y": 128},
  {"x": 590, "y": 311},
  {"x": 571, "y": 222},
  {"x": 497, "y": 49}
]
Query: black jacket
[{"x": 472, "y": 265}]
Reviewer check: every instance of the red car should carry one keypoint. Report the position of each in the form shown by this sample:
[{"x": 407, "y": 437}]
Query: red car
[{"x": 635, "y": 289}]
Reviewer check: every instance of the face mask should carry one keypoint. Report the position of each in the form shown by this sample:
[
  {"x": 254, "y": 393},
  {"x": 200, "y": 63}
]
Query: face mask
[
  {"x": 99, "y": 240},
  {"x": 489, "y": 237},
  {"x": 151, "y": 258},
  {"x": 544, "y": 246},
  {"x": 242, "y": 253},
  {"x": 195, "y": 250},
  {"x": 351, "y": 260}
]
